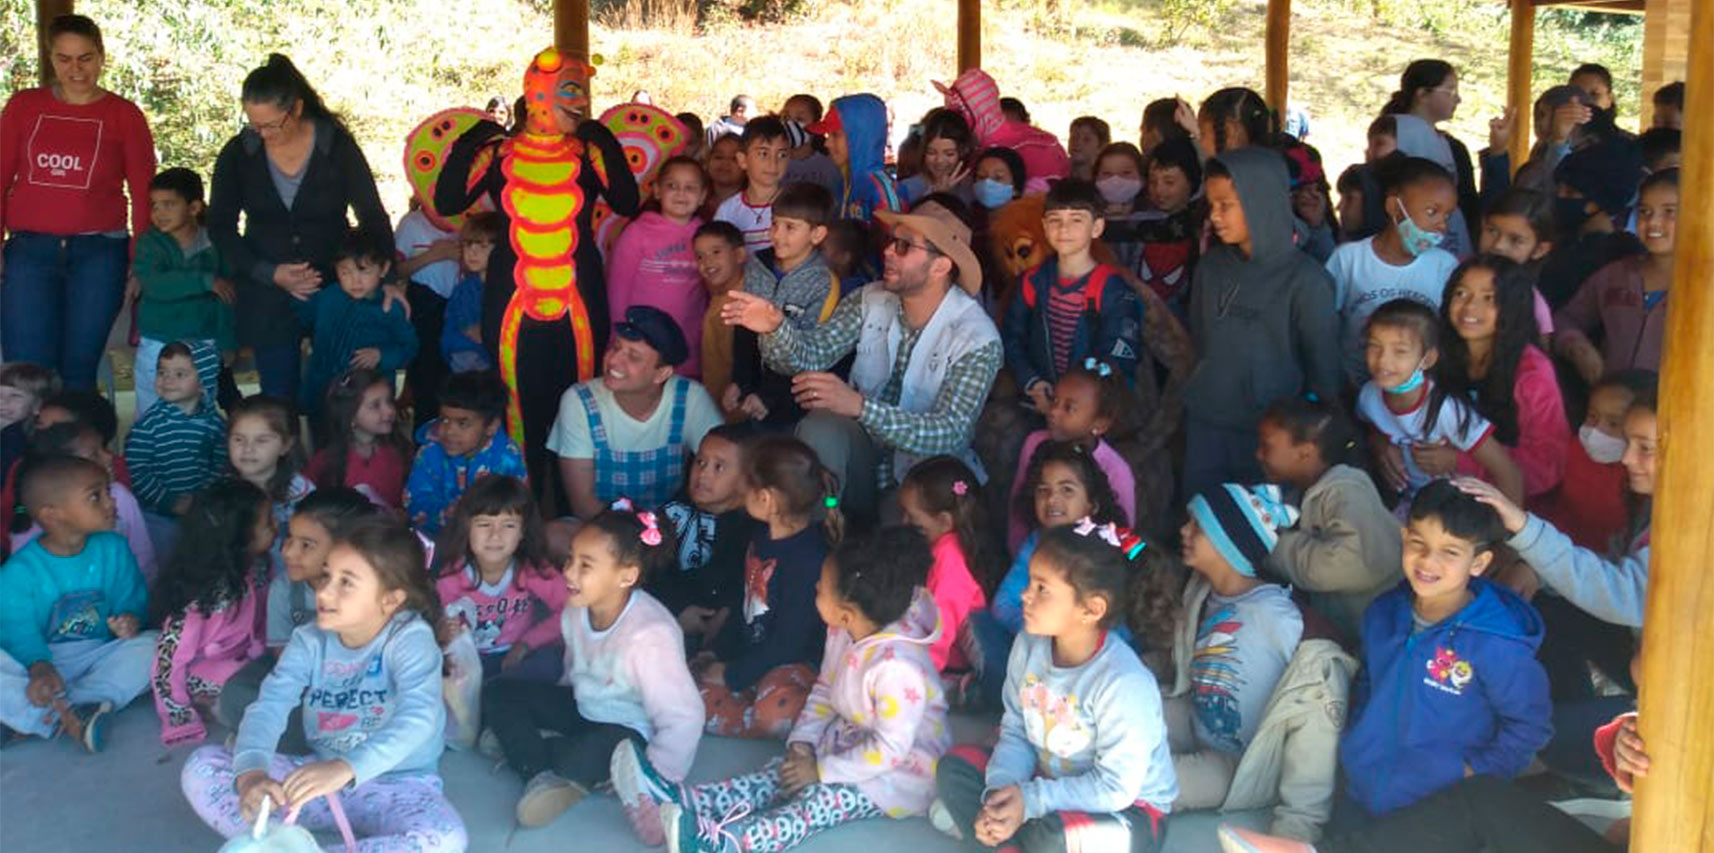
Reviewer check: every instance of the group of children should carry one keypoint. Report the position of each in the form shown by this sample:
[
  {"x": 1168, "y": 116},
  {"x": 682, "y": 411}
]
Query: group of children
[{"x": 1150, "y": 644}]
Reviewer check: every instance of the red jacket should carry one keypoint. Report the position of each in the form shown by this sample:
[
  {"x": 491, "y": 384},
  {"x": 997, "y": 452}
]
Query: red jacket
[{"x": 64, "y": 168}]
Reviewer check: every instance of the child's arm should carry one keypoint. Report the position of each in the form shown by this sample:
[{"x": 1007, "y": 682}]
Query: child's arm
[
  {"x": 1515, "y": 686},
  {"x": 1543, "y": 433},
  {"x": 1613, "y": 591},
  {"x": 1013, "y": 761},
  {"x": 898, "y": 693},
  {"x": 1129, "y": 724},
  {"x": 181, "y": 639},
  {"x": 1326, "y": 554},
  {"x": 671, "y": 700},
  {"x": 1493, "y": 458},
  {"x": 146, "y": 484},
  {"x": 265, "y": 720},
  {"x": 552, "y": 592},
  {"x": 128, "y": 594},
  {"x": 21, "y": 617},
  {"x": 1317, "y": 325},
  {"x": 1572, "y": 325},
  {"x": 414, "y": 659},
  {"x": 161, "y": 281},
  {"x": 818, "y": 708}
]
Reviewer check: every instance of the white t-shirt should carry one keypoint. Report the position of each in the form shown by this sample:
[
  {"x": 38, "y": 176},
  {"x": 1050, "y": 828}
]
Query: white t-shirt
[
  {"x": 753, "y": 221},
  {"x": 571, "y": 439},
  {"x": 1410, "y": 428},
  {"x": 1363, "y": 282},
  {"x": 413, "y": 237}
]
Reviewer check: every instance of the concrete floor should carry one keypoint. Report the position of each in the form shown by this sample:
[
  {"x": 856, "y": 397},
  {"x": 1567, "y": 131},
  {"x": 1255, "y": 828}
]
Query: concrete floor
[{"x": 55, "y": 799}]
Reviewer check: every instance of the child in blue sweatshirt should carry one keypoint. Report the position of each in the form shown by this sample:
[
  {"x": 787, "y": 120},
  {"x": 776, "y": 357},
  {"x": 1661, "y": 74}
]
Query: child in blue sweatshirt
[
  {"x": 351, "y": 324},
  {"x": 367, "y": 674},
  {"x": 464, "y": 443},
  {"x": 71, "y": 605},
  {"x": 1450, "y": 685}
]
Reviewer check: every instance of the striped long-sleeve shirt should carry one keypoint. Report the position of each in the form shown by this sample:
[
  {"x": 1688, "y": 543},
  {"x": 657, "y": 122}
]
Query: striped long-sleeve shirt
[{"x": 171, "y": 453}]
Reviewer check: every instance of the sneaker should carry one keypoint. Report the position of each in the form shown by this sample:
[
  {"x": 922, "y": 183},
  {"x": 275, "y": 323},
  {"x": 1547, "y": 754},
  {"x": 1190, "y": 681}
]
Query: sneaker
[
  {"x": 87, "y": 724},
  {"x": 546, "y": 797},
  {"x": 488, "y": 746},
  {"x": 642, "y": 790},
  {"x": 1238, "y": 840},
  {"x": 688, "y": 832},
  {"x": 941, "y": 819}
]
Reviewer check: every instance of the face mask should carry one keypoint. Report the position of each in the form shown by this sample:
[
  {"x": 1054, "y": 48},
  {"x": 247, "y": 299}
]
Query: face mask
[
  {"x": 1414, "y": 382},
  {"x": 1570, "y": 214},
  {"x": 1117, "y": 189},
  {"x": 991, "y": 193},
  {"x": 1416, "y": 239},
  {"x": 1602, "y": 448}
]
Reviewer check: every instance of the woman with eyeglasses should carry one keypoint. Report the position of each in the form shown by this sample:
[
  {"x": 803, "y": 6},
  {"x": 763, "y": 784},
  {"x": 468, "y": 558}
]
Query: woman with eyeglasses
[
  {"x": 72, "y": 150},
  {"x": 293, "y": 171},
  {"x": 1426, "y": 97}
]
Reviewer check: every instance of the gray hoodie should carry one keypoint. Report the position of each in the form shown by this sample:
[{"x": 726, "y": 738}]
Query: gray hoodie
[{"x": 1264, "y": 326}]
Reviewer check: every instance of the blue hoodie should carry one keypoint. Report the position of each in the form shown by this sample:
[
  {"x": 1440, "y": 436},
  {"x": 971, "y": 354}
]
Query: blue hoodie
[
  {"x": 1466, "y": 691},
  {"x": 438, "y": 479},
  {"x": 868, "y": 187}
]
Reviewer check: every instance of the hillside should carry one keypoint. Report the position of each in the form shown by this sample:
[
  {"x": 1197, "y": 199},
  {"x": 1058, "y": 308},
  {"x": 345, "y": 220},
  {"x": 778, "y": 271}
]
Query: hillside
[{"x": 384, "y": 64}]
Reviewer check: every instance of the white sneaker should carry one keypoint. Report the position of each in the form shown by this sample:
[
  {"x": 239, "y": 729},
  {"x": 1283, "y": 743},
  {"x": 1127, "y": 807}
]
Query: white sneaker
[
  {"x": 941, "y": 819},
  {"x": 546, "y": 797},
  {"x": 488, "y": 746},
  {"x": 641, "y": 791}
]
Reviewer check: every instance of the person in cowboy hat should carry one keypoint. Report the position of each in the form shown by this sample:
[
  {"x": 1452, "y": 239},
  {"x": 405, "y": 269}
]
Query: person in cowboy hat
[{"x": 926, "y": 355}]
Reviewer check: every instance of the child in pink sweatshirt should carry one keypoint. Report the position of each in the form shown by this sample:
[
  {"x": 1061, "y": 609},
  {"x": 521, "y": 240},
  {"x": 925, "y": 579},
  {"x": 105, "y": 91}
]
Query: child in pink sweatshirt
[
  {"x": 653, "y": 262},
  {"x": 941, "y": 497},
  {"x": 210, "y": 600},
  {"x": 496, "y": 581},
  {"x": 867, "y": 741}
]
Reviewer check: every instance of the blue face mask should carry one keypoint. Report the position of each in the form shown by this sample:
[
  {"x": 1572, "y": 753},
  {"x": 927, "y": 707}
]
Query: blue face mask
[
  {"x": 1414, "y": 382},
  {"x": 991, "y": 193},
  {"x": 1416, "y": 239}
]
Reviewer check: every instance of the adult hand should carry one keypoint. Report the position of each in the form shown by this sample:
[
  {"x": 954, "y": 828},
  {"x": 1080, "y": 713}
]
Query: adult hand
[
  {"x": 222, "y": 290},
  {"x": 1567, "y": 118},
  {"x": 1512, "y": 516},
  {"x": 1630, "y": 758},
  {"x": 823, "y": 392},
  {"x": 1500, "y": 130},
  {"x": 1390, "y": 458},
  {"x": 252, "y": 787},
  {"x": 124, "y": 626},
  {"x": 514, "y": 656},
  {"x": 1435, "y": 460},
  {"x": 45, "y": 684},
  {"x": 1002, "y": 813},
  {"x": 394, "y": 294},
  {"x": 365, "y": 358},
  {"x": 751, "y": 312},
  {"x": 317, "y": 779},
  {"x": 300, "y": 280}
]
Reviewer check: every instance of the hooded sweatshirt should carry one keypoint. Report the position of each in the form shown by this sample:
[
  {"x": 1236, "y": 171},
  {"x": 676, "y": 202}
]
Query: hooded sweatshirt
[
  {"x": 171, "y": 453},
  {"x": 438, "y": 478},
  {"x": 652, "y": 264},
  {"x": 1464, "y": 692},
  {"x": 876, "y": 716},
  {"x": 868, "y": 187},
  {"x": 1345, "y": 549},
  {"x": 976, "y": 96},
  {"x": 178, "y": 301},
  {"x": 209, "y": 646},
  {"x": 1264, "y": 325}
]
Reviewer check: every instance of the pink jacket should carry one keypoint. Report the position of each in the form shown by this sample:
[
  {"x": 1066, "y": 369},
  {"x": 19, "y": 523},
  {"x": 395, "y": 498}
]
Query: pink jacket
[
  {"x": 1544, "y": 435},
  {"x": 976, "y": 96},
  {"x": 653, "y": 264},
  {"x": 877, "y": 716},
  {"x": 956, "y": 595},
  {"x": 1118, "y": 473},
  {"x": 209, "y": 646},
  {"x": 526, "y": 610}
]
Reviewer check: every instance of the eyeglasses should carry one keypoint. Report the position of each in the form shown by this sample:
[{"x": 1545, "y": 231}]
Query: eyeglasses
[
  {"x": 903, "y": 247},
  {"x": 271, "y": 125}
]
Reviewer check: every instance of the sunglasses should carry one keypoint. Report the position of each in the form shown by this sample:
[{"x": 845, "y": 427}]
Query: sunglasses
[{"x": 903, "y": 247}]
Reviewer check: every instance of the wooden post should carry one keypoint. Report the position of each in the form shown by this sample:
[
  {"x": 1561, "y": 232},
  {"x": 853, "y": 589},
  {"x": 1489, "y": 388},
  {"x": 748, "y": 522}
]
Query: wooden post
[
  {"x": 969, "y": 35},
  {"x": 571, "y": 27},
  {"x": 1675, "y": 802},
  {"x": 1666, "y": 49},
  {"x": 1279, "y": 56},
  {"x": 46, "y": 12},
  {"x": 1520, "y": 69}
]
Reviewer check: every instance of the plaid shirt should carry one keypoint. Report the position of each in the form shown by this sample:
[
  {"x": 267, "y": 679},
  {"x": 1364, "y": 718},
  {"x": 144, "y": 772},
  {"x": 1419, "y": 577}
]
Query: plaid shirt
[{"x": 946, "y": 428}]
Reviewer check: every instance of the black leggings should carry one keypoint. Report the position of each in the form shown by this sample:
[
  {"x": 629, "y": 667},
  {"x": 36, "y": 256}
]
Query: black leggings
[
  {"x": 517, "y": 712},
  {"x": 1478, "y": 813}
]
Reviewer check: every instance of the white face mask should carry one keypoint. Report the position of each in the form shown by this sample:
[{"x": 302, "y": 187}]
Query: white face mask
[
  {"x": 1602, "y": 448},
  {"x": 1116, "y": 189}
]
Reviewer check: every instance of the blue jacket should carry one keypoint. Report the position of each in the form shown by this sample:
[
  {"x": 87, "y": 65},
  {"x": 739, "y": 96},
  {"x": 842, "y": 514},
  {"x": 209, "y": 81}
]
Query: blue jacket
[
  {"x": 1466, "y": 691},
  {"x": 868, "y": 187},
  {"x": 1111, "y": 327},
  {"x": 438, "y": 480},
  {"x": 341, "y": 326}
]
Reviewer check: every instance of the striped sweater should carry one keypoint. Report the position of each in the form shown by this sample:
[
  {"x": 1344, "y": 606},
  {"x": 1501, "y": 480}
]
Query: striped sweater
[{"x": 172, "y": 453}]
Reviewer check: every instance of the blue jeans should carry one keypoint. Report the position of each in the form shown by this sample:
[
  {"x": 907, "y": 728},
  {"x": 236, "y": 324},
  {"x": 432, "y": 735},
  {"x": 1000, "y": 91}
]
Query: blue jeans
[
  {"x": 58, "y": 299},
  {"x": 280, "y": 370}
]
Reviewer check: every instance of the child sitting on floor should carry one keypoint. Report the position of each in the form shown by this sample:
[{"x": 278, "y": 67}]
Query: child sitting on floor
[
  {"x": 864, "y": 747},
  {"x": 714, "y": 532},
  {"x": 463, "y": 444},
  {"x": 1087, "y": 403},
  {"x": 366, "y": 446},
  {"x": 81, "y": 439},
  {"x": 941, "y": 497}
]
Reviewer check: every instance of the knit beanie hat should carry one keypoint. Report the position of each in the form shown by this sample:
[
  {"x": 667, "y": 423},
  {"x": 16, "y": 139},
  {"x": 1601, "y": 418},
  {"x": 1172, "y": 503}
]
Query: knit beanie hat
[{"x": 1242, "y": 522}]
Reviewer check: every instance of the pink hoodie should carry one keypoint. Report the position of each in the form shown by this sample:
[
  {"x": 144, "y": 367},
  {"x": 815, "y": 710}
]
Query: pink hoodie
[
  {"x": 976, "y": 96},
  {"x": 956, "y": 595},
  {"x": 876, "y": 717},
  {"x": 208, "y": 646},
  {"x": 653, "y": 264}
]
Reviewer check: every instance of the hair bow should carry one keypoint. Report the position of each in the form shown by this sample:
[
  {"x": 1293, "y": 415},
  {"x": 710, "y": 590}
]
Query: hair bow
[
  {"x": 1128, "y": 542},
  {"x": 622, "y": 505},
  {"x": 960, "y": 488},
  {"x": 1098, "y": 367},
  {"x": 651, "y": 534}
]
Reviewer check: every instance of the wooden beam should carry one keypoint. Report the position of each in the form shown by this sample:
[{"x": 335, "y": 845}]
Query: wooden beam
[
  {"x": 969, "y": 35},
  {"x": 46, "y": 12},
  {"x": 571, "y": 27},
  {"x": 1675, "y": 802},
  {"x": 1279, "y": 56},
  {"x": 1520, "y": 70},
  {"x": 1666, "y": 49}
]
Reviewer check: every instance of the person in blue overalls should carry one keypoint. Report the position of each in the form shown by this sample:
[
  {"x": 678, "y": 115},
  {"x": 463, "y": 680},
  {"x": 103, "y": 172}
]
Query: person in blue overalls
[{"x": 628, "y": 433}]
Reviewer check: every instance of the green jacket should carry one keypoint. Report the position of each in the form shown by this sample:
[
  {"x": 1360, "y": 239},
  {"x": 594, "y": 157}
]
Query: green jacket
[{"x": 178, "y": 301}]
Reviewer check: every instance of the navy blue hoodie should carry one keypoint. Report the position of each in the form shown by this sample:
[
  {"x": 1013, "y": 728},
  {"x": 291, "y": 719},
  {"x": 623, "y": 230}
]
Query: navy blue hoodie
[{"x": 1466, "y": 691}]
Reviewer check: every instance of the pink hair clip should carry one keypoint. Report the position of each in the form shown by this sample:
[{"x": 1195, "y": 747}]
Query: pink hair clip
[
  {"x": 651, "y": 534},
  {"x": 960, "y": 488}
]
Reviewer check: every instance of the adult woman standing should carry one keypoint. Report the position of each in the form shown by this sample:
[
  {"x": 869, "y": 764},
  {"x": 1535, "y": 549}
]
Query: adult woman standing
[
  {"x": 1428, "y": 95},
  {"x": 293, "y": 173},
  {"x": 69, "y": 153}
]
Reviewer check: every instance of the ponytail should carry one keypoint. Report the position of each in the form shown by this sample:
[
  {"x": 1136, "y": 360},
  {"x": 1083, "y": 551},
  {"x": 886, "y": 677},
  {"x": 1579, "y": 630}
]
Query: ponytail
[
  {"x": 279, "y": 82},
  {"x": 1420, "y": 74},
  {"x": 832, "y": 520}
]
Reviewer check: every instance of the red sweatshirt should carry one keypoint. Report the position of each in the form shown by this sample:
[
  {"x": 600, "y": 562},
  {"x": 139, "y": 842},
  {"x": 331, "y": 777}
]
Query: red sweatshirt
[{"x": 64, "y": 167}]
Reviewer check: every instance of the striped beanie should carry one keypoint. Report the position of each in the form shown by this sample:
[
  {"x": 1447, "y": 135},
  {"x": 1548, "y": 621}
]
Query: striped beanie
[{"x": 1242, "y": 522}]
